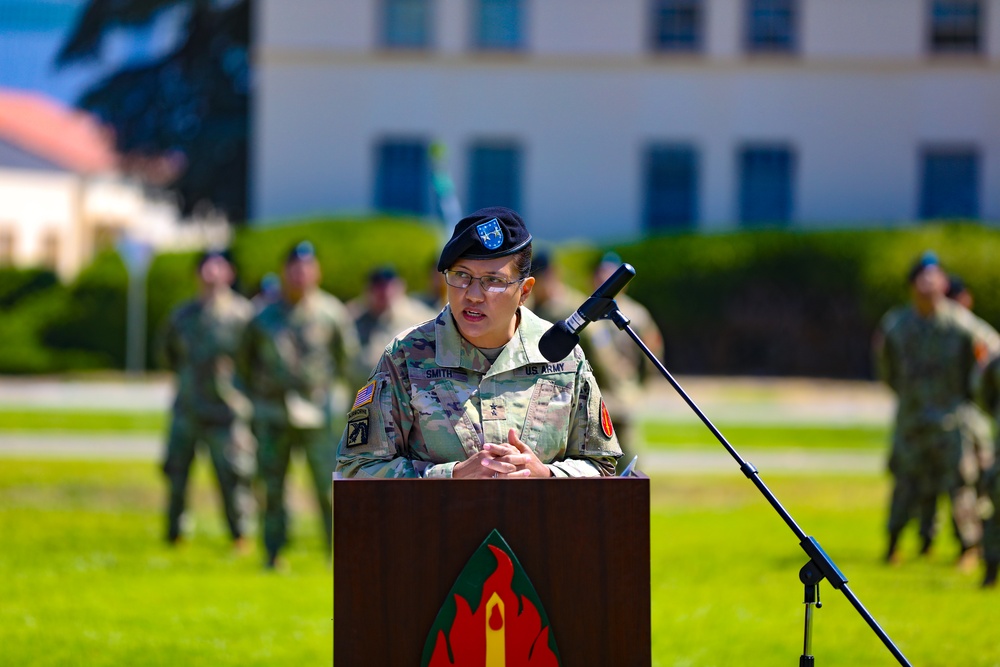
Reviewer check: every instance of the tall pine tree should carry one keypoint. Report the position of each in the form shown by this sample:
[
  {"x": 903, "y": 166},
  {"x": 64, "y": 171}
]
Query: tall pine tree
[{"x": 182, "y": 118}]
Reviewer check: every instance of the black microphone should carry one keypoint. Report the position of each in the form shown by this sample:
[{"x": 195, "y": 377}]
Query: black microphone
[{"x": 562, "y": 337}]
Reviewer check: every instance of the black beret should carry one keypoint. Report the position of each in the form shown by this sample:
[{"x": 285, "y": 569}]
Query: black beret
[
  {"x": 300, "y": 251},
  {"x": 928, "y": 259},
  {"x": 213, "y": 254},
  {"x": 382, "y": 274},
  {"x": 487, "y": 233}
]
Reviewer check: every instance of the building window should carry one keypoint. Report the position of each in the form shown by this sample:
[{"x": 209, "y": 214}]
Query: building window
[
  {"x": 771, "y": 26},
  {"x": 498, "y": 24},
  {"x": 766, "y": 184},
  {"x": 955, "y": 26},
  {"x": 406, "y": 24},
  {"x": 402, "y": 182},
  {"x": 949, "y": 184},
  {"x": 50, "y": 250},
  {"x": 495, "y": 176},
  {"x": 677, "y": 25},
  {"x": 7, "y": 242},
  {"x": 671, "y": 184}
]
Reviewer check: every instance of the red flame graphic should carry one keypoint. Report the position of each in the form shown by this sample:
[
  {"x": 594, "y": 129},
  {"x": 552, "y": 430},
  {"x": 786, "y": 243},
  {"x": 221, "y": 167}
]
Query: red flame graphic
[{"x": 526, "y": 642}]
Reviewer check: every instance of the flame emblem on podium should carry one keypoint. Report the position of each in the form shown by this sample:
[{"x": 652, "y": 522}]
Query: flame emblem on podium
[{"x": 492, "y": 616}]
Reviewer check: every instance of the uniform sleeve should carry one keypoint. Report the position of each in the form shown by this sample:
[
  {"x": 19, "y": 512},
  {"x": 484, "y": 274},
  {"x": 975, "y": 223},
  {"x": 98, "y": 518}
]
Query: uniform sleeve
[
  {"x": 167, "y": 348},
  {"x": 883, "y": 356},
  {"x": 592, "y": 448},
  {"x": 373, "y": 443},
  {"x": 345, "y": 347},
  {"x": 989, "y": 391}
]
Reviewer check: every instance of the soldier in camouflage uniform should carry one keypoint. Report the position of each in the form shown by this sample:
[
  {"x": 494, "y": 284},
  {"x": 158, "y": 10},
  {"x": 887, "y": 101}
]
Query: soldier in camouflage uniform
[
  {"x": 469, "y": 394},
  {"x": 199, "y": 342},
  {"x": 291, "y": 354},
  {"x": 990, "y": 399},
  {"x": 929, "y": 353},
  {"x": 551, "y": 298},
  {"x": 384, "y": 310},
  {"x": 620, "y": 366}
]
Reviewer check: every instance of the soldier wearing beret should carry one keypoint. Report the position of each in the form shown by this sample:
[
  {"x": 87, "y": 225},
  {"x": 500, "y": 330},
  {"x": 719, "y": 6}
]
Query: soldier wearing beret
[
  {"x": 384, "y": 310},
  {"x": 199, "y": 342},
  {"x": 468, "y": 394},
  {"x": 931, "y": 353},
  {"x": 292, "y": 353},
  {"x": 990, "y": 485}
]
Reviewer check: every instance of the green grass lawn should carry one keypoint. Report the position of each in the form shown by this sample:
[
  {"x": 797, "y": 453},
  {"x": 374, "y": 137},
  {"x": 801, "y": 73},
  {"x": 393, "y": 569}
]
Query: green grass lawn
[
  {"x": 85, "y": 579},
  {"x": 690, "y": 435}
]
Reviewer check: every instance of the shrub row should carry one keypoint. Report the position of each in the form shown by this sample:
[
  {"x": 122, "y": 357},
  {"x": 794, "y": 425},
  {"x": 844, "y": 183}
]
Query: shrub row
[{"x": 764, "y": 302}]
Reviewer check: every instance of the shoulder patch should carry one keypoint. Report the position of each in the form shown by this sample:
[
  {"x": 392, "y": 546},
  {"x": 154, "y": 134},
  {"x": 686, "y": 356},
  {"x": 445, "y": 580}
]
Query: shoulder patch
[
  {"x": 357, "y": 427},
  {"x": 606, "y": 426},
  {"x": 365, "y": 395}
]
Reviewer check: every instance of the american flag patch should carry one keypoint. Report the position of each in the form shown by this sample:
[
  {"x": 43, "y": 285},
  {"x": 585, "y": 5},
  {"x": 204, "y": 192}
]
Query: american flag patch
[{"x": 365, "y": 395}]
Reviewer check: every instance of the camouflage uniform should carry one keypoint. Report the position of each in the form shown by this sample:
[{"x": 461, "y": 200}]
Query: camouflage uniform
[
  {"x": 620, "y": 366},
  {"x": 200, "y": 340},
  {"x": 559, "y": 307},
  {"x": 931, "y": 363},
  {"x": 375, "y": 332},
  {"x": 290, "y": 356},
  {"x": 434, "y": 400},
  {"x": 990, "y": 399}
]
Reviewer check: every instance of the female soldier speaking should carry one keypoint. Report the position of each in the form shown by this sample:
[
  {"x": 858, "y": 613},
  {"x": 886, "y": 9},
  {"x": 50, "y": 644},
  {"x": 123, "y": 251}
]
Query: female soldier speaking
[{"x": 468, "y": 394}]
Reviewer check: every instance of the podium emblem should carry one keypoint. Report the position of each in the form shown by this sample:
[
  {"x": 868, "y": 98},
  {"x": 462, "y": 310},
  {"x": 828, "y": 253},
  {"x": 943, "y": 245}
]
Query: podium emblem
[{"x": 492, "y": 616}]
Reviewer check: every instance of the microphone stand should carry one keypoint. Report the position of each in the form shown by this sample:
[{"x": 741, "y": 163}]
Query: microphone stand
[{"x": 819, "y": 566}]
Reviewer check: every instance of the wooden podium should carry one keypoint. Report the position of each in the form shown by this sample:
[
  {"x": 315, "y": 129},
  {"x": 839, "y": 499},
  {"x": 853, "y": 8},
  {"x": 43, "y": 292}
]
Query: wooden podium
[{"x": 401, "y": 544}]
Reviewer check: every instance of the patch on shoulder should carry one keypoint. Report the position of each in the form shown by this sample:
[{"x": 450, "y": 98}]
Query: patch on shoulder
[
  {"x": 365, "y": 395},
  {"x": 358, "y": 421},
  {"x": 606, "y": 426}
]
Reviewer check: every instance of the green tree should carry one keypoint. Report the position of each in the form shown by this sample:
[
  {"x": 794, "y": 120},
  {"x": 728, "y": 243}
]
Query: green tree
[{"x": 180, "y": 119}]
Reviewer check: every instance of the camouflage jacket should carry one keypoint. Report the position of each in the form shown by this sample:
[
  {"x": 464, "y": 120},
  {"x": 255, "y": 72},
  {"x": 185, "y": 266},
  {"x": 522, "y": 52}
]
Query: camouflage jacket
[
  {"x": 989, "y": 391},
  {"x": 291, "y": 355},
  {"x": 434, "y": 400},
  {"x": 932, "y": 363},
  {"x": 375, "y": 332},
  {"x": 620, "y": 366},
  {"x": 198, "y": 344}
]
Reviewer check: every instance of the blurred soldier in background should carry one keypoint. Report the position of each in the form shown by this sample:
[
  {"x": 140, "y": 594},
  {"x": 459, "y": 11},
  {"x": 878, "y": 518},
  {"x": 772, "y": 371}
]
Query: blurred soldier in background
[
  {"x": 930, "y": 353},
  {"x": 621, "y": 369},
  {"x": 269, "y": 292},
  {"x": 990, "y": 398},
  {"x": 551, "y": 298},
  {"x": 291, "y": 354},
  {"x": 435, "y": 297},
  {"x": 199, "y": 342},
  {"x": 975, "y": 423},
  {"x": 383, "y": 311}
]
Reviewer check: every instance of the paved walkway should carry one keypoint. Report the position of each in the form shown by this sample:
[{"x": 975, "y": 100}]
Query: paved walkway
[{"x": 735, "y": 400}]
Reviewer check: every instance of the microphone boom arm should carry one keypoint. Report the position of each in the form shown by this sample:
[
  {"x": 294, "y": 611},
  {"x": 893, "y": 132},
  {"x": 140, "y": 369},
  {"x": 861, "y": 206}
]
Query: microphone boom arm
[{"x": 820, "y": 566}]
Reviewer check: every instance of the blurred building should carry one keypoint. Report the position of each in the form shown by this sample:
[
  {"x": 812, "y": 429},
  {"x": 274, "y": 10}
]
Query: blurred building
[
  {"x": 608, "y": 117},
  {"x": 63, "y": 197}
]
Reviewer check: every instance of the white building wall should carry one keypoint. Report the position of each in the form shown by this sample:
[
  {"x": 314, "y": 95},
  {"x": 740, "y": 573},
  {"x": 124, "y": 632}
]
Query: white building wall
[{"x": 586, "y": 97}]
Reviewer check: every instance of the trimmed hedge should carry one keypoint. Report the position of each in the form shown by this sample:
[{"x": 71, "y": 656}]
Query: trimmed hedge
[
  {"x": 792, "y": 302},
  {"x": 763, "y": 302}
]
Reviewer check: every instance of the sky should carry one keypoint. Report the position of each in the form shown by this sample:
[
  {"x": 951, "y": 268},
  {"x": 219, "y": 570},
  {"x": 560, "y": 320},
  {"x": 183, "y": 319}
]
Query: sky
[{"x": 32, "y": 31}]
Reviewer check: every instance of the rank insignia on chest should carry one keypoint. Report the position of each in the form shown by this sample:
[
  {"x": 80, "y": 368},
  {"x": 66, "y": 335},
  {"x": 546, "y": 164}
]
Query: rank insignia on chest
[
  {"x": 357, "y": 427},
  {"x": 493, "y": 411},
  {"x": 606, "y": 426},
  {"x": 365, "y": 395}
]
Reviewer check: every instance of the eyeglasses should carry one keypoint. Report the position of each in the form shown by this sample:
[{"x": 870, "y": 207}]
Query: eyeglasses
[{"x": 491, "y": 284}]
